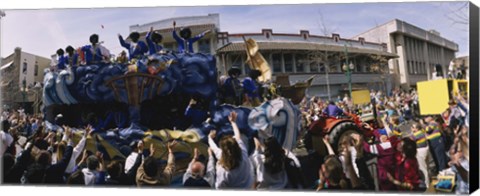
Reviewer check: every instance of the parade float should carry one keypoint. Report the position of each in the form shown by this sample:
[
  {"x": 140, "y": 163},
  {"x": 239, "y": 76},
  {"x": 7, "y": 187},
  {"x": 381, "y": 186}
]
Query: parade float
[{"x": 146, "y": 99}]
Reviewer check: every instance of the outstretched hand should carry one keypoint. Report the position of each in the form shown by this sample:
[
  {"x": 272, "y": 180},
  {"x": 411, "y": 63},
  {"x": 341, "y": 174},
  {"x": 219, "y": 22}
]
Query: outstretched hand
[
  {"x": 232, "y": 117},
  {"x": 258, "y": 145},
  {"x": 140, "y": 146},
  {"x": 152, "y": 149},
  {"x": 195, "y": 154},
  {"x": 212, "y": 134},
  {"x": 174, "y": 24},
  {"x": 88, "y": 130},
  {"x": 170, "y": 146}
]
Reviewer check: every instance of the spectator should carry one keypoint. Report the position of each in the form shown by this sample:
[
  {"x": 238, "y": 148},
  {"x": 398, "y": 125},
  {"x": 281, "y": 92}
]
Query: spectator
[
  {"x": 53, "y": 173},
  {"x": 270, "y": 165},
  {"x": 234, "y": 169},
  {"x": 406, "y": 171},
  {"x": 76, "y": 178},
  {"x": 332, "y": 110},
  {"x": 436, "y": 142},
  {"x": 94, "y": 173},
  {"x": 195, "y": 176},
  {"x": 78, "y": 150},
  {"x": 148, "y": 174},
  {"x": 419, "y": 136},
  {"x": 116, "y": 173}
]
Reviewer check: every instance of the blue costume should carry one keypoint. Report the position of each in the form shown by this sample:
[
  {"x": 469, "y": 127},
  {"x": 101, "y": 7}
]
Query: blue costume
[
  {"x": 333, "y": 110},
  {"x": 153, "y": 48},
  {"x": 134, "y": 50},
  {"x": 61, "y": 62},
  {"x": 182, "y": 44},
  {"x": 251, "y": 88},
  {"x": 71, "y": 60},
  {"x": 93, "y": 54},
  {"x": 196, "y": 115}
]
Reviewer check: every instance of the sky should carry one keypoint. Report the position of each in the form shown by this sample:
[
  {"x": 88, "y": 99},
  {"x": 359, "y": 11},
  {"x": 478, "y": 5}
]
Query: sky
[{"x": 43, "y": 31}]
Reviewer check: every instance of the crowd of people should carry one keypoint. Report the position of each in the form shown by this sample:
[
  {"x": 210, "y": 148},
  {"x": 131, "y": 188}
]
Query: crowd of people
[
  {"x": 404, "y": 143},
  {"x": 33, "y": 155}
]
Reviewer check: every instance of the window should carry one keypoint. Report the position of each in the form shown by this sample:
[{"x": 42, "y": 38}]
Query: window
[
  {"x": 416, "y": 68},
  {"x": 277, "y": 63},
  {"x": 288, "y": 58},
  {"x": 322, "y": 68},
  {"x": 204, "y": 46},
  {"x": 300, "y": 62},
  {"x": 358, "y": 68},
  {"x": 36, "y": 69},
  {"x": 25, "y": 65},
  {"x": 235, "y": 60},
  {"x": 313, "y": 67},
  {"x": 410, "y": 68}
]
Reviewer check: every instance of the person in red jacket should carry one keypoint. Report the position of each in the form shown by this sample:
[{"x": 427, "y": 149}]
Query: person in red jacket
[{"x": 406, "y": 172}]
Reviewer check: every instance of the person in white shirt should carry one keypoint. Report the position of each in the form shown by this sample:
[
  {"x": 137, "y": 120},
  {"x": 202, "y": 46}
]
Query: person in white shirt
[
  {"x": 6, "y": 141},
  {"x": 269, "y": 163},
  {"x": 130, "y": 161},
  {"x": 195, "y": 176},
  {"x": 233, "y": 169},
  {"x": 77, "y": 151}
]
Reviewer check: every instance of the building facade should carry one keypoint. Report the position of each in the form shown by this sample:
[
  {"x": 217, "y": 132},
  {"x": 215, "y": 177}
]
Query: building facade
[
  {"x": 302, "y": 55},
  {"x": 298, "y": 55},
  {"x": 420, "y": 52},
  {"x": 21, "y": 78}
]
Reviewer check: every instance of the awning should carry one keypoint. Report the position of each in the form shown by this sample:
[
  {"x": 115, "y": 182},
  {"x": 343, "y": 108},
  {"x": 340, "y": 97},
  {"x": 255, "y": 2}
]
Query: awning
[
  {"x": 6, "y": 65},
  {"x": 240, "y": 47}
]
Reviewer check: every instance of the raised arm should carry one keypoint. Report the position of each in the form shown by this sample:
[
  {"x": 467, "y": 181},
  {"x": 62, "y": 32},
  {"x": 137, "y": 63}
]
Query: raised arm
[
  {"x": 123, "y": 43},
  {"x": 199, "y": 36},
  {"x": 210, "y": 174},
  {"x": 148, "y": 38},
  {"x": 132, "y": 173},
  {"x": 236, "y": 132},
  {"x": 170, "y": 168},
  {"x": 217, "y": 151},
  {"x": 174, "y": 34},
  {"x": 329, "y": 147}
]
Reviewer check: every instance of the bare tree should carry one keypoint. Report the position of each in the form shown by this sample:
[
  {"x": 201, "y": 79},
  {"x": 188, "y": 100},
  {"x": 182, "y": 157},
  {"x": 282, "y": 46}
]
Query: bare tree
[
  {"x": 458, "y": 15},
  {"x": 324, "y": 28}
]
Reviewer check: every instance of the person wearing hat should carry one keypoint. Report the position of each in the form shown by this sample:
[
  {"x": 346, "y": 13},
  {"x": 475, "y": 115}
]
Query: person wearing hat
[
  {"x": 436, "y": 143},
  {"x": 72, "y": 57},
  {"x": 185, "y": 41},
  {"x": 419, "y": 136},
  {"x": 385, "y": 152},
  {"x": 95, "y": 53},
  {"x": 232, "y": 87},
  {"x": 253, "y": 88},
  {"x": 136, "y": 48},
  {"x": 154, "y": 41},
  {"x": 61, "y": 59},
  {"x": 333, "y": 110}
]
